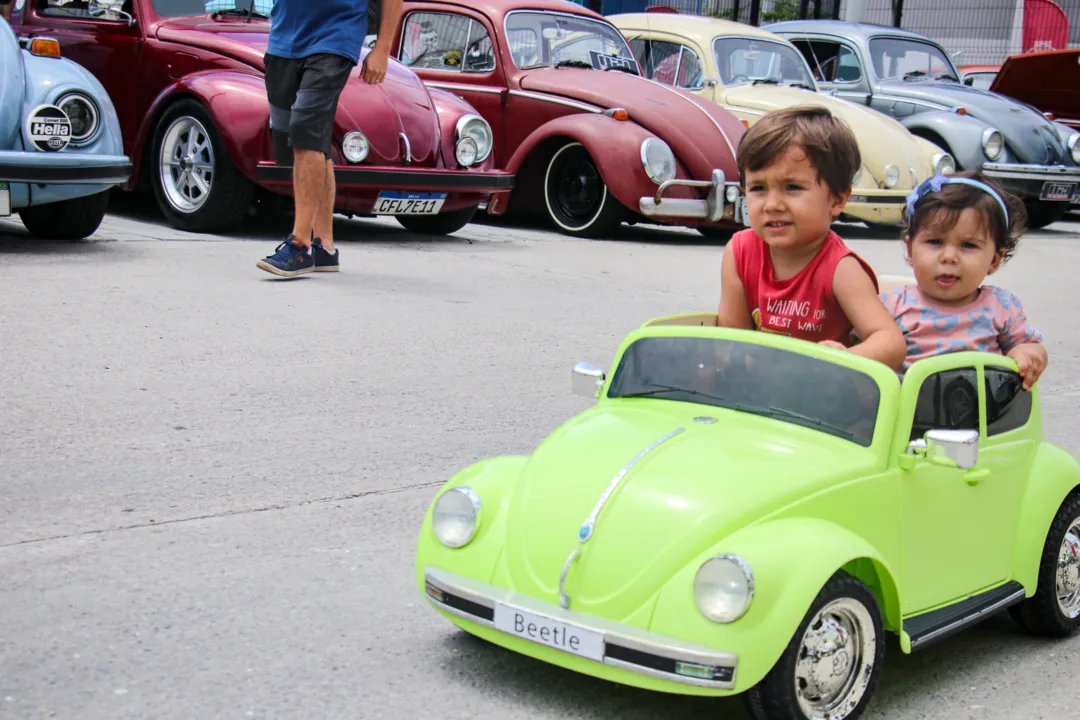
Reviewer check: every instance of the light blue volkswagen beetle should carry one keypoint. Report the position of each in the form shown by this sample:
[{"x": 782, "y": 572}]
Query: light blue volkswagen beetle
[{"x": 60, "y": 143}]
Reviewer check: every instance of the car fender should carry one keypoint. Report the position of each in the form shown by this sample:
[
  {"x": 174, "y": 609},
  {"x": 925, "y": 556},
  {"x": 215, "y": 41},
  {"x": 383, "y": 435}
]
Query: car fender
[
  {"x": 1054, "y": 475},
  {"x": 614, "y": 145},
  {"x": 791, "y": 559},
  {"x": 235, "y": 100},
  {"x": 962, "y": 134},
  {"x": 492, "y": 480},
  {"x": 450, "y": 108}
]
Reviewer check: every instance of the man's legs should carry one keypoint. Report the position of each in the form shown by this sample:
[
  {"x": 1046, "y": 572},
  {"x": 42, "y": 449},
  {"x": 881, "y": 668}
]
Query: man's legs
[{"x": 324, "y": 216}]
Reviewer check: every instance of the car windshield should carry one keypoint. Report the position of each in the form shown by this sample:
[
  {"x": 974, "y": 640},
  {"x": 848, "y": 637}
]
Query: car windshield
[
  {"x": 539, "y": 39},
  {"x": 194, "y": 8},
  {"x": 901, "y": 59},
  {"x": 743, "y": 60},
  {"x": 751, "y": 378}
]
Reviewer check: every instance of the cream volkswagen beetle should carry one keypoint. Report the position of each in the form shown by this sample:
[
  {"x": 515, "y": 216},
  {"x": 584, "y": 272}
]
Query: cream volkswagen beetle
[{"x": 749, "y": 72}]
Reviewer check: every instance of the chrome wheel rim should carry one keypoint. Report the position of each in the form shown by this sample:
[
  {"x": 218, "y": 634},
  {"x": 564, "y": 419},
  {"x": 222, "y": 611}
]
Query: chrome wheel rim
[
  {"x": 187, "y": 164},
  {"x": 836, "y": 659},
  {"x": 1068, "y": 572}
]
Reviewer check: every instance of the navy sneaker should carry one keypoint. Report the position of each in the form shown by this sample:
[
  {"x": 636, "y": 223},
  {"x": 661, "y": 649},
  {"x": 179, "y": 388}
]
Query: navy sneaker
[
  {"x": 325, "y": 261},
  {"x": 289, "y": 260}
]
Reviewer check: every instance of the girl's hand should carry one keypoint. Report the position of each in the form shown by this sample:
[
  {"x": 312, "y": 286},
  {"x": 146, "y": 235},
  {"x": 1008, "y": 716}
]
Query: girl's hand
[{"x": 1031, "y": 360}]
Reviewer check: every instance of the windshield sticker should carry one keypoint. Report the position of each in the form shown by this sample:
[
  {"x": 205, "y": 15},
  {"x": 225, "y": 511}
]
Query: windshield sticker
[
  {"x": 48, "y": 128},
  {"x": 603, "y": 62}
]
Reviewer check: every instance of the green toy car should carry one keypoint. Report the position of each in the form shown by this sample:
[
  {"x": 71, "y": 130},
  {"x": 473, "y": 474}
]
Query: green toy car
[{"x": 743, "y": 512}]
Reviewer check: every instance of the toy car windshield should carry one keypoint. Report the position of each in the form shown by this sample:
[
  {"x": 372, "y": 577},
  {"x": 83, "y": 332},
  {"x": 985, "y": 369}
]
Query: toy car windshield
[{"x": 751, "y": 378}]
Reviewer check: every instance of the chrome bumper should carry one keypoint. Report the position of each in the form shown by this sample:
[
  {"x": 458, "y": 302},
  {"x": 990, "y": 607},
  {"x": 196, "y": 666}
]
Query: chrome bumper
[
  {"x": 629, "y": 648},
  {"x": 714, "y": 208},
  {"x": 1020, "y": 171}
]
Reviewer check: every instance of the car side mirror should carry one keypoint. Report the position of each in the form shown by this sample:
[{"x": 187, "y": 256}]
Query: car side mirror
[
  {"x": 948, "y": 448},
  {"x": 586, "y": 379}
]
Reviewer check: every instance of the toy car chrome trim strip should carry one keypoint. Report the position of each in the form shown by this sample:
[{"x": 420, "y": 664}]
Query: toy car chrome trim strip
[
  {"x": 557, "y": 101},
  {"x": 456, "y": 595},
  {"x": 1021, "y": 171}
]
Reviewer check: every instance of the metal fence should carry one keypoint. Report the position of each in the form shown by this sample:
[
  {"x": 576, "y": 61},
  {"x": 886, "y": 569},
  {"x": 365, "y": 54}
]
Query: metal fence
[{"x": 752, "y": 12}]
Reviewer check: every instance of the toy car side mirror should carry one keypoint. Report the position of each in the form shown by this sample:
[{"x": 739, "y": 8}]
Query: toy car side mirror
[
  {"x": 948, "y": 448},
  {"x": 586, "y": 379}
]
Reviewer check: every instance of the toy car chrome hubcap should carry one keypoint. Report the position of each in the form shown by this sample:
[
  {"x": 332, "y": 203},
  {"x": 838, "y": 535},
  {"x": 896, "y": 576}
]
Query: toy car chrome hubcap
[
  {"x": 1068, "y": 572},
  {"x": 187, "y": 164},
  {"x": 836, "y": 660}
]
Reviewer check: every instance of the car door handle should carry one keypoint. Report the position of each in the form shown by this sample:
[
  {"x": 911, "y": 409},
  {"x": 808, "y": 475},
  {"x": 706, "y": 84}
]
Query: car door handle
[{"x": 974, "y": 477}]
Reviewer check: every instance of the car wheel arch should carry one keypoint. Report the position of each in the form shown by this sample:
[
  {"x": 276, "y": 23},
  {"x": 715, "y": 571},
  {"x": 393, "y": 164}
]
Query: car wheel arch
[
  {"x": 958, "y": 135},
  {"x": 1040, "y": 503}
]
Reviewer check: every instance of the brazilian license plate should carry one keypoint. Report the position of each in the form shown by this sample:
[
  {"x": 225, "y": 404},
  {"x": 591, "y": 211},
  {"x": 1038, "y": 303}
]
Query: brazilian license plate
[
  {"x": 391, "y": 202},
  {"x": 1057, "y": 191},
  {"x": 5, "y": 199}
]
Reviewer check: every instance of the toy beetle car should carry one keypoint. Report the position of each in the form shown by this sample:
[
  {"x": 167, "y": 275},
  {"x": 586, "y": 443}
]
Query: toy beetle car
[
  {"x": 912, "y": 78},
  {"x": 743, "y": 512},
  {"x": 60, "y": 145},
  {"x": 751, "y": 72},
  {"x": 591, "y": 143}
]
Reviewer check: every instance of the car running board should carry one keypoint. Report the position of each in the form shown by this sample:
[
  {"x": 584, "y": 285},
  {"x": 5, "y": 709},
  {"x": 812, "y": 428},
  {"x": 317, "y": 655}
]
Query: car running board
[{"x": 939, "y": 624}]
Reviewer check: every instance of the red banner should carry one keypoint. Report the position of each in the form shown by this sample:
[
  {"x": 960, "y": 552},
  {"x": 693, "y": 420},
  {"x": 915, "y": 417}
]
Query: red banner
[{"x": 1046, "y": 26}]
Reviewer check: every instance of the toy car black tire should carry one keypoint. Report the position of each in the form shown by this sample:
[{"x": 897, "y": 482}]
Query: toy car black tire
[{"x": 1041, "y": 614}]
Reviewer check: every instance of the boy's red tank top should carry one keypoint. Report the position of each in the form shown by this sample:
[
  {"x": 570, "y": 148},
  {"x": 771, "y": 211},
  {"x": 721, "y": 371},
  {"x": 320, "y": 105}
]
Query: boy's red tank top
[{"x": 802, "y": 306}]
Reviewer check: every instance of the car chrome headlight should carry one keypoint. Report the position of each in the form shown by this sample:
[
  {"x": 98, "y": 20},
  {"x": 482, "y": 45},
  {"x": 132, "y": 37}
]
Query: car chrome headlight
[
  {"x": 355, "y": 146},
  {"x": 944, "y": 163},
  {"x": 1074, "y": 147},
  {"x": 474, "y": 128},
  {"x": 724, "y": 588},
  {"x": 658, "y": 160},
  {"x": 892, "y": 176},
  {"x": 83, "y": 114},
  {"x": 456, "y": 516},
  {"x": 992, "y": 143}
]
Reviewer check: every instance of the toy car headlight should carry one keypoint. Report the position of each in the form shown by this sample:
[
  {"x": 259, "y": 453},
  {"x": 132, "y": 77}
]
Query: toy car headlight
[
  {"x": 1074, "y": 147},
  {"x": 83, "y": 114},
  {"x": 474, "y": 128},
  {"x": 992, "y": 143},
  {"x": 658, "y": 160},
  {"x": 355, "y": 146},
  {"x": 724, "y": 588},
  {"x": 456, "y": 516},
  {"x": 944, "y": 163}
]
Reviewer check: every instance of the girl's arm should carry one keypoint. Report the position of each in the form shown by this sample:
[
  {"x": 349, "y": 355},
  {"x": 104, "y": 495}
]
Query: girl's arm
[{"x": 855, "y": 292}]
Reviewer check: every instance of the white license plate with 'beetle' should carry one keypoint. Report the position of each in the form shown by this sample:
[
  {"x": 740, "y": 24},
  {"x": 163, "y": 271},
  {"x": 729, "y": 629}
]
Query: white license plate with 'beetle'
[
  {"x": 5, "y": 199},
  {"x": 548, "y": 631},
  {"x": 391, "y": 202}
]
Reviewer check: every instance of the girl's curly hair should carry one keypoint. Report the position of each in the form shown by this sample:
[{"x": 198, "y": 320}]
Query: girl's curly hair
[{"x": 939, "y": 211}]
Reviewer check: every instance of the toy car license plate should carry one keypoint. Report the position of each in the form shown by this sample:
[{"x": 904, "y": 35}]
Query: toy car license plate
[
  {"x": 1057, "y": 191},
  {"x": 5, "y": 200},
  {"x": 548, "y": 631},
  {"x": 391, "y": 202}
]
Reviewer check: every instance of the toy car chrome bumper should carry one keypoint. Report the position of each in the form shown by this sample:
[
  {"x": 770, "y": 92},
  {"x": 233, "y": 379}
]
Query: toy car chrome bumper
[
  {"x": 384, "y": 178},
  {"x": 64, "y": 168},
  {"x": 720, "y": 203},
  {"x": 621, "y": 646}
]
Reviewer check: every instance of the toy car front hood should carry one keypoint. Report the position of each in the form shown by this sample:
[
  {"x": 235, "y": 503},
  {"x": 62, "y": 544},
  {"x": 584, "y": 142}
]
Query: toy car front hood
[
  {"x": 1014, "y": 120},
  {"x": 691, "y": 126},
  {"x": 1049, "y": 81},
  {"x": 882, "y": 140},
  {"x": 399, "y": 104},
  {"x": 681, "y": 496}
]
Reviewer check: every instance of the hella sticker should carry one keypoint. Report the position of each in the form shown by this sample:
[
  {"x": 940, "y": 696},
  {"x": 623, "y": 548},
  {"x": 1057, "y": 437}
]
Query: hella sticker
[{"x": 48, "y": 128}]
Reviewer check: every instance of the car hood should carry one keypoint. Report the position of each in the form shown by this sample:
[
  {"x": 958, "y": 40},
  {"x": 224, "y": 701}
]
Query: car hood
[
  {"x": 399, "y": 104},
  {"x": 882, "y": 140},
  {"x": 687, "y": 123},
  {"x": 1029, "y": 135},
  {"x": 1049, "y": 81},
  {"x": 682, "y": 497}
]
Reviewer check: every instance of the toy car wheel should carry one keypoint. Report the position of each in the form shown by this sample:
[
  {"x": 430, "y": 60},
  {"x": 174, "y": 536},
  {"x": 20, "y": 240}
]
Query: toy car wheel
[
  {"x": 576, "y": 196},
  {"x": 1041, "y": 213},
  {"x": 442, "y": 224},
  {"x": 1054, "y": 609},
  {"x": 73, "y": 219},
  {"x": 832, "y": 664},
  {"x": 195, "y": 182}
]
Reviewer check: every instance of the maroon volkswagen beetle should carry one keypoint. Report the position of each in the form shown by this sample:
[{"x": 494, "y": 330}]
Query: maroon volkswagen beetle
[
  {"x": 186, "y": 79},
  {"x": 591, "y": 142}
]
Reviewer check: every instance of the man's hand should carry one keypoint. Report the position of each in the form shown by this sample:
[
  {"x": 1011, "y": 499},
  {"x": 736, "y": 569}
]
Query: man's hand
[
  {"x": 1030, "y": 360},
  {"x": 375, "y": 62}
]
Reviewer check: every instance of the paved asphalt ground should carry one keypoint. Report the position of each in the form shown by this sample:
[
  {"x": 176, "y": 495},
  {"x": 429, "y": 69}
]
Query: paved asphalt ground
[{"x": 211, "y": 481}]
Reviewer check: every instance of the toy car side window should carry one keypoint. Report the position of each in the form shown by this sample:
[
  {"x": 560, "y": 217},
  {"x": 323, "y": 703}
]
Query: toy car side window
[
  {"x": 1008, "y": 405},
  {"x": 948, "y": 400},
  {"x": 445, "y": 41}
]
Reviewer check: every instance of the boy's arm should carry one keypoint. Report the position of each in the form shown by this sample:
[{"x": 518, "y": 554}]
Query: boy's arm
[
  {"x": 733, "y": 311},
  {"x": 854, "y": 291}
]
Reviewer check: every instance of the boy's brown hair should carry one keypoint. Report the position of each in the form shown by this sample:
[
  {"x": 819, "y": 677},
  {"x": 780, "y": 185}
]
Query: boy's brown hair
[{"x": 828, "y": 142}]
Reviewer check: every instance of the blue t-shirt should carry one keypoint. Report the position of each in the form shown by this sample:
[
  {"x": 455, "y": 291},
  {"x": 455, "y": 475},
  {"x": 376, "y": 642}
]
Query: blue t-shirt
[{"x": 299, "y": 28}]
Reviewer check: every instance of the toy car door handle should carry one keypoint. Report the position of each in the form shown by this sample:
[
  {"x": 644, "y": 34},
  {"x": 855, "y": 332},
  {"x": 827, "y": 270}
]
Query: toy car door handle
[{"x": 976, "y": 475}]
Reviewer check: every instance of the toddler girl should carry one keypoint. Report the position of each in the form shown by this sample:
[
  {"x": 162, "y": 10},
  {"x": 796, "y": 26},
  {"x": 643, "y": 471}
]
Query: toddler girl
[{"x": 961, "y": 228}]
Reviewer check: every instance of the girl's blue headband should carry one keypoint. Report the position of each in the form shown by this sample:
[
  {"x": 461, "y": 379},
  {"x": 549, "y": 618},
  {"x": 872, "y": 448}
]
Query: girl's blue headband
[{"x": 935, "y": 184}]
